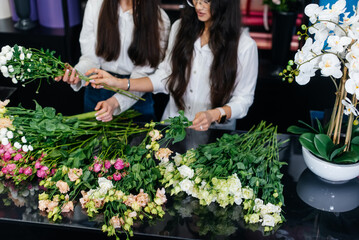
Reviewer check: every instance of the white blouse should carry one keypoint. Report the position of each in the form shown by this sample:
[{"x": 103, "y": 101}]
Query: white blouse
[
  {"x": 123, "y": 65},
  {"x": 197, "y": 95}
]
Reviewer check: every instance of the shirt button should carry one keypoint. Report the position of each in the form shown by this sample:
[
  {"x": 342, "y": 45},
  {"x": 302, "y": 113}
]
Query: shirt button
[
  {"x": 191, "y": 90},
  {"x": 194, "y": 72},
  {"x": 189, "y": 107}
]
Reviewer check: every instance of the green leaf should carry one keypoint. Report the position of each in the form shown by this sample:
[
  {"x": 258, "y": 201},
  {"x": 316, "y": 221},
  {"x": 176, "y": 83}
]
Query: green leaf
[
  {"x": 347, "y": 157},
  {"x": 336, "y": 152},
  {"x": 49, "y": 112},
  {"x": 320, "y": 127},
  {"x": 355, "y": 140},
  {"x": 324, "y": 145},
  {"x": 297, "y": 130},
  {"x": 307, "y": 141}
]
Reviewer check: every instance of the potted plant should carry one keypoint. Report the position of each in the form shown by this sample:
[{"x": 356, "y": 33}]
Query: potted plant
[
  {"x": 284, "y": 15},
  {"x": 332, "y": 47}
]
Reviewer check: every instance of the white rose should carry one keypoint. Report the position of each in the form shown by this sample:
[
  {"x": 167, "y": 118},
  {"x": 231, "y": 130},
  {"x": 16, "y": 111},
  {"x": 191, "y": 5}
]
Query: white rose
[
  {"x": 8, "y": 55},
  {"x": 186, "y": 171},
  {"x": 25, "y": 148},
  {"x": 268, "y": 220},
  {"x": 105, "y": 184},
  {"x": 10, "y": 134},
  {"x": 2, "y": 60},
  {"x": 23, "y": 139},
  {"x": 4, "y": 141},
  {"x": 5, "y": 49},
  {"x": 4, "y": 69},
  {"x": 30, "y": 148},
  {"x": 3, "y": 131},
  {"x": 17, "y": 145}
]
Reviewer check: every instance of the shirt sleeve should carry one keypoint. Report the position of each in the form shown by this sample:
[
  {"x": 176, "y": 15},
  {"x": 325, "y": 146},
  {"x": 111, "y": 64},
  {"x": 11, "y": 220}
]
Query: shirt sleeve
[
  {"x": 88, "y": 57},
  {"x": 159, "y": 78},
  {"x": 243, "y": 94},
  {"x": 143, "y": 71}
]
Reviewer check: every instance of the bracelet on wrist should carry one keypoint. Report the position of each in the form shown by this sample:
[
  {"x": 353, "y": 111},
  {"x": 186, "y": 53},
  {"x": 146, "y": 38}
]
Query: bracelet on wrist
[{"x": 128, "y": 84}]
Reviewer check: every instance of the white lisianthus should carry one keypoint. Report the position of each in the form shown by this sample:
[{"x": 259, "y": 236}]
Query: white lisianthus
[
  {"x": 3, "y": 131},
  {"x": 330, "y": 66},
  {"x": 238, "y": 199},
  {"x": 170, "y": 167},
  {"x": 258, "y": 203},
  {"x": 177, "y": 159},
  {"x": 28, "y": 55},
  {"x": 4, "y": 69},
  {"x": 268, "y": 220},
  {"x": 247, "y": 193},
  {"x": 17, "y": 145},
  {"x": 30, "y": 148},
  {"x": 14, "y": 80},
  {"x": 23, "y": 139},
  {"x": 105, "y": 184},
  {"x": 11, "y": 69},
  {"x": 254, "y": 218},
  {"x": 9, "y": 134},
  {"x": 22, "y": 56},
  {"x": 186, "y": 172},
  {"x": 186, "y": 185}
]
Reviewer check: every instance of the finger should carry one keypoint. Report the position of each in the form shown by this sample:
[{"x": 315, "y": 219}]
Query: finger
[
  {"x": 57, "y": 79},
  {"x": 72, "y": 76},
  {"x": 66, "y": 75}
]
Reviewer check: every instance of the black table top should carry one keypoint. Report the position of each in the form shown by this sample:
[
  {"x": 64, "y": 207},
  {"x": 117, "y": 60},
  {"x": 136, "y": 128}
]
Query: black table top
[{"x": 313, "y": 209}]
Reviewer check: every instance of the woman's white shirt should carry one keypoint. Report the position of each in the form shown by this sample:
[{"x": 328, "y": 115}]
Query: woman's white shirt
[
  {"x": 197, "y": 95},
  {"x": 123, "y": 65}
]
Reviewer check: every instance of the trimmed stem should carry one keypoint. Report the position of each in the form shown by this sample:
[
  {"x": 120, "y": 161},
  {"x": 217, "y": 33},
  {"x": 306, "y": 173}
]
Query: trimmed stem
[{"x": 350, "y": 126}]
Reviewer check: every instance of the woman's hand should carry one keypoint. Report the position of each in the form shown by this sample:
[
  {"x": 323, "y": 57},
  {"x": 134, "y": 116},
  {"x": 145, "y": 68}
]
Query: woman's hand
[
  {"x": 105, "y": 109},
  {"x": 203, "y": 120},
  {"x": 101, "y": 78},
  {"x": 70, "y": 76}
]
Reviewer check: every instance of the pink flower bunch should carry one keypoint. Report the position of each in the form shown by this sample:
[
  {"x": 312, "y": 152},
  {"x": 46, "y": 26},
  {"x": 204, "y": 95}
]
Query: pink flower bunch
[
  {"x": 111, "y": 169},
  {"x": 7, "y": 152}
]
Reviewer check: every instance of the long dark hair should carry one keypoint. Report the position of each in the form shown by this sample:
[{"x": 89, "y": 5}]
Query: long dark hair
[
  {"x": 224, "y": 32},
  {"x": 145, "y": 47}
]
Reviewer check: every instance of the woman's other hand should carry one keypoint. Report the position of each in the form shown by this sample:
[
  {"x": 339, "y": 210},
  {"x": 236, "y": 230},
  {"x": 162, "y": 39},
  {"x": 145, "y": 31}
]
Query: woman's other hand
[
  {"x": 100, "y": 78},
  {"x": 70, "y": 76},
  {"x": 203, "y": 120},
  {"x": 105, "y": 109}
]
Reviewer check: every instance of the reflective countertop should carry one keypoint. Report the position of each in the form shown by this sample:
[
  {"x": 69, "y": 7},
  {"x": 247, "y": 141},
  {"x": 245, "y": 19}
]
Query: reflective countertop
[{"x": 314, "y": 209}]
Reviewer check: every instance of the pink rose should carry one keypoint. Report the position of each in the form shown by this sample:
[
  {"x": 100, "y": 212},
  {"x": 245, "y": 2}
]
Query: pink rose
[
  {"x": 37, "y": 165},
  {"x": 4, "y": 170},
  {"x": 119, "y": 164},
  {"x": 97, "y": 167},
  {"x": 63, "y": 186},
  {"x": 17, "y": 157},
  {"x": 107, "y": 164},
  {"x": 28, "y": 171},
  {"x": 41, "y": 173},
  {"x": 7, "y": 156},
  {"x": 117, "y": 177},
  {"x": 11, "y": 167}
]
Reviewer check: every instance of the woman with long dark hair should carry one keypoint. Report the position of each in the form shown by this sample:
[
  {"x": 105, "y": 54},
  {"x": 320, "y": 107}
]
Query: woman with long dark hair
[
  {"x": 124, "y": 37},
  {"x": 210, "y": 69}
]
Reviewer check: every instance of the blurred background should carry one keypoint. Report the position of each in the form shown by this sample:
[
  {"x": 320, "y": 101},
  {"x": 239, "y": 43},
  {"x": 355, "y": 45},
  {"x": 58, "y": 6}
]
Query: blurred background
[{"x": 56, "y": 25}]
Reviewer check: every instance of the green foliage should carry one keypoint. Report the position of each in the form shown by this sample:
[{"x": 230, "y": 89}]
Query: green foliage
[{"x": 176, "y": 132}]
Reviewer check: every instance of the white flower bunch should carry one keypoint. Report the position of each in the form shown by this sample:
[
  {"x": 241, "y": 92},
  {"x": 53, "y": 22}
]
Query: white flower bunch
[
  {"x": 267, "y": 214},
  {"x": 15, "y": 62}
]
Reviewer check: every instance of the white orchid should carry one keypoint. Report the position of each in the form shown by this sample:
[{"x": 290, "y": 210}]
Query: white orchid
[
  {"x": 312, "y": 11},
  {"x": 330, "y": 65},
  {"x": 352, "y": 84},
  {"x": 338, "y": 44},
  {"x": 349, "y": 107}
]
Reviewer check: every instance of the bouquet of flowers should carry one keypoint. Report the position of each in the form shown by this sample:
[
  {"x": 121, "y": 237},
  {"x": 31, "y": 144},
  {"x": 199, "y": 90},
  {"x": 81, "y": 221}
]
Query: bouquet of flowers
[
  {"x": 331, "y": 46},
  {"x": 24, "y": 65},
  {"x": 237, "y": 169}
]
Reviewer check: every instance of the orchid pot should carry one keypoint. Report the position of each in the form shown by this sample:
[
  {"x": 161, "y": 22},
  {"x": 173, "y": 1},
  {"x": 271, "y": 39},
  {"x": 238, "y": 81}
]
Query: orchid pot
[{"x": 332, "y": 47}]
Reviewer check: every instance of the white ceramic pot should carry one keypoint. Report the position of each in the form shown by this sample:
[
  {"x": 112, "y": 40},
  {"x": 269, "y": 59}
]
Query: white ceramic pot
[{"x": 339, "y": 173}]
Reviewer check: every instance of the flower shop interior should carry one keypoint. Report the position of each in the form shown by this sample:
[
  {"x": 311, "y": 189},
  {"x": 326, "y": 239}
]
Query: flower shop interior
[{"x": 284, "y": 198}]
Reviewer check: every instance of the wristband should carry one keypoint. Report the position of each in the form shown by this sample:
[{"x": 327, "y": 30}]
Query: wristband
[{"x": 128, "y": 84}]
